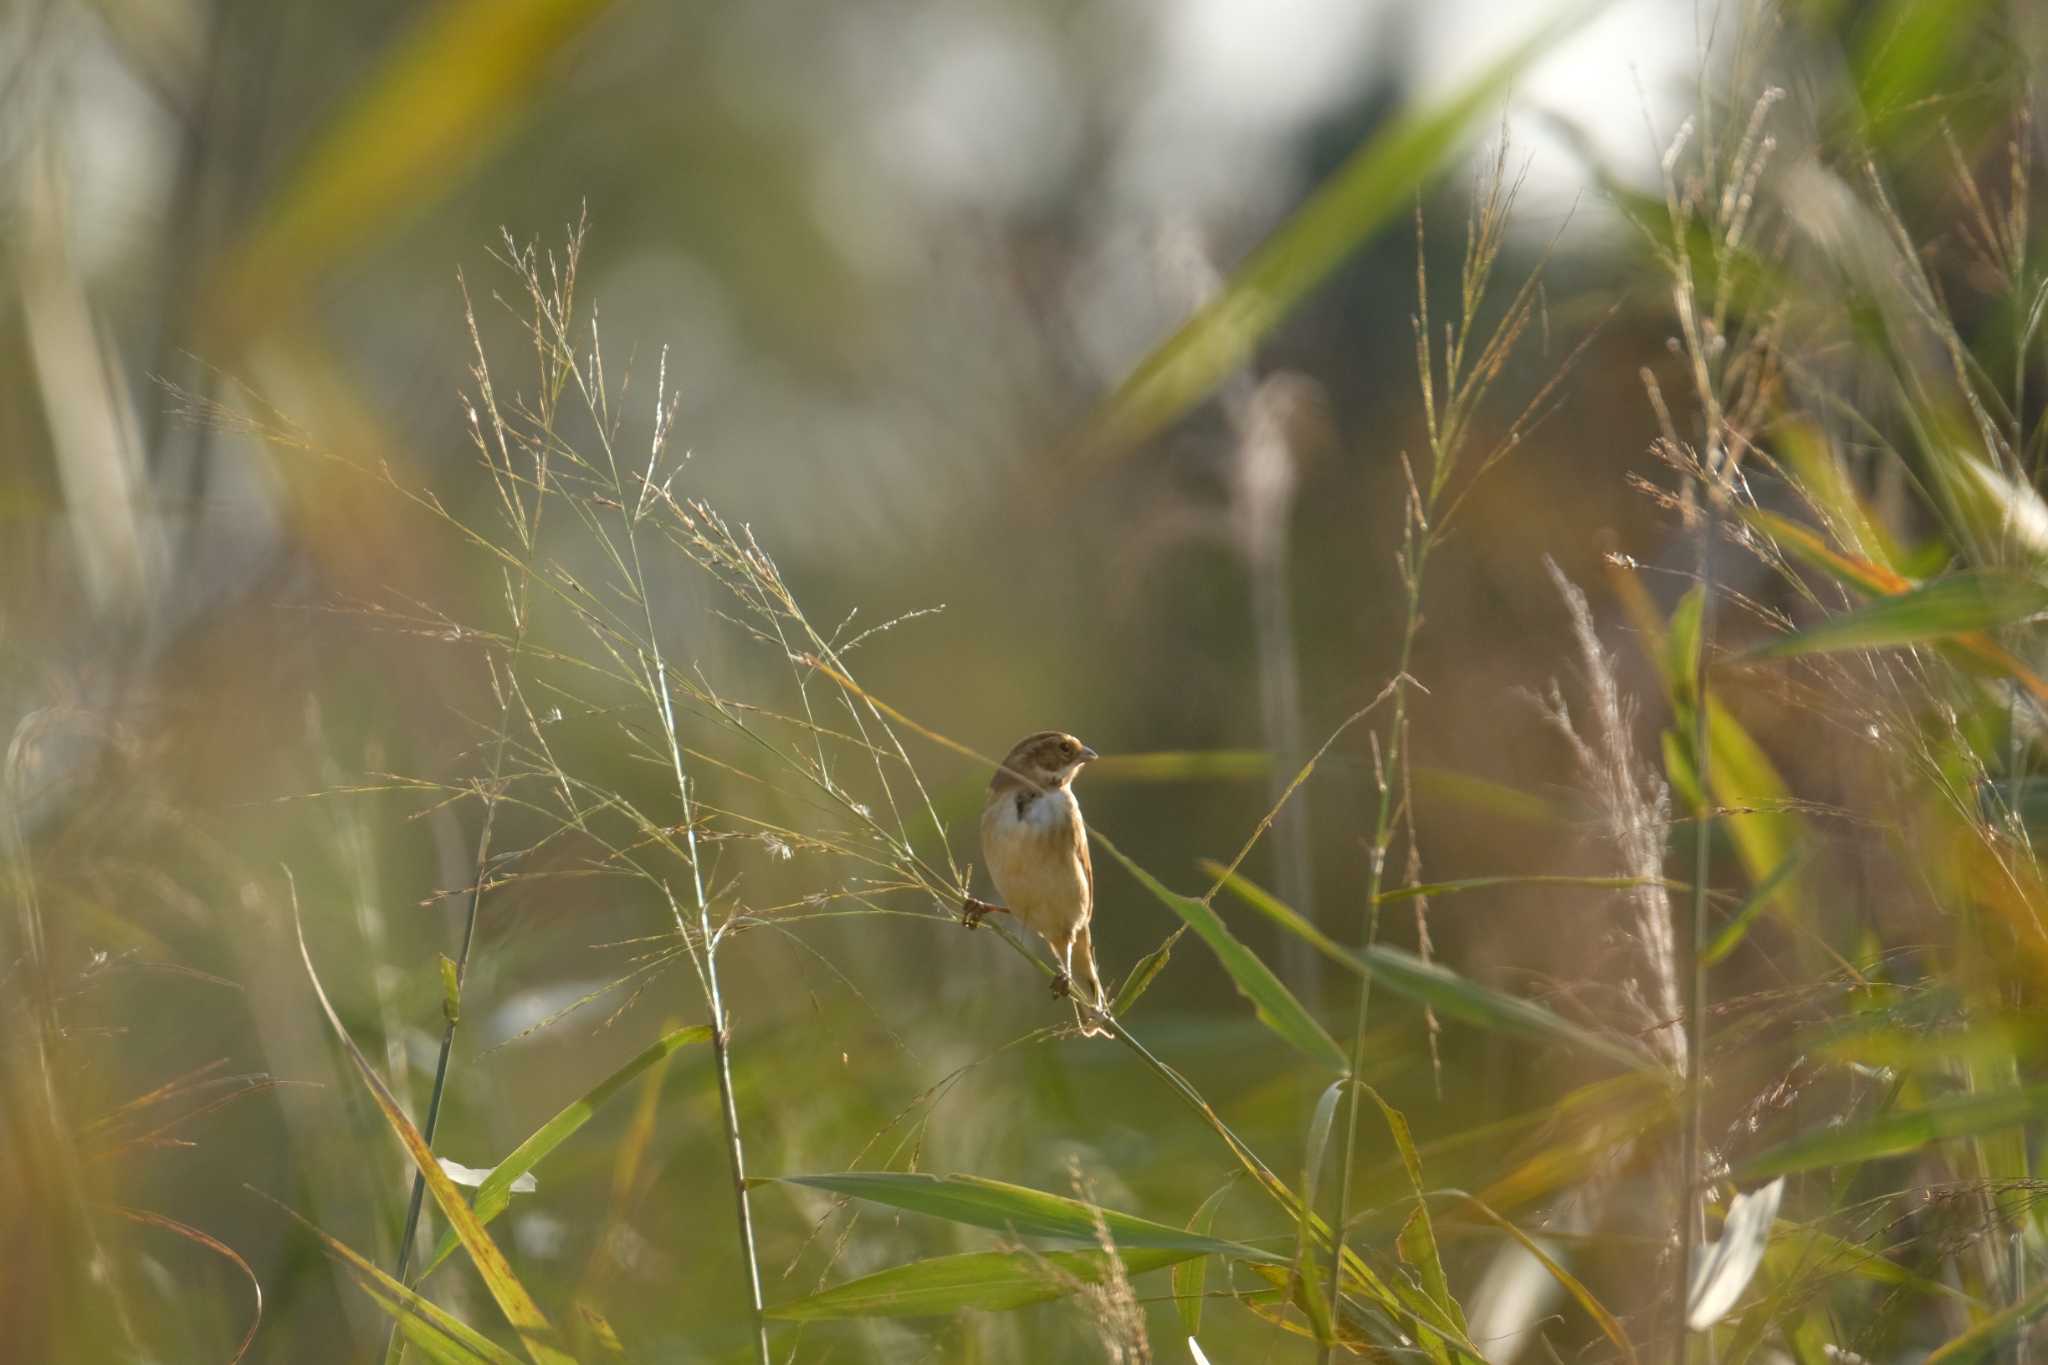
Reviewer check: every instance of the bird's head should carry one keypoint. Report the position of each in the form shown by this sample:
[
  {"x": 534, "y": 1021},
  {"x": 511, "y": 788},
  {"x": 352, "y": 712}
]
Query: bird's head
[{"x": 1046, "y": 760}]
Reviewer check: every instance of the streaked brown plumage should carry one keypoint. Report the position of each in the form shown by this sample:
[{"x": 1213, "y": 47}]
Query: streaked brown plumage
[{"x": 1036, "y": 847}]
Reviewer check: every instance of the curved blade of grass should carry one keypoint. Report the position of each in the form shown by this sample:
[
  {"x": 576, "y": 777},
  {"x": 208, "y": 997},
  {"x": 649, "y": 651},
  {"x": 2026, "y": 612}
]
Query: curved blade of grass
[
  {"x": 437, "y": 1346},
  {"x": 1738, "y": 925},
  {"x": 985, "y": 1281},
  {"x": 1417, "y": 1240},
  {"x": 1142, "y": 972},
  {"x": 1803, "y": 1248},
  {"x": 1596, "y": 1310},
  {"x": 1015, "y": 1209},
  {"x": 1191, "y": 1277},
  {"x": 1275, "y": 1005},
  {"x": 1441, "y": 988},
  {"x": 1808, "y": 545},
  {"x": 218, "y": 1248},
  {"x": 1939, "y": 610},
  {"x": 1878, "y": 581},
  {"x": 407, "y": 1305},
  {"x": 1992, "y": 1332},
  {"x": 1896, "y": 1133},
  {"x": 517, "y": 1305},
  {"x": 1316, "y": 1150},
  {"x": 1741, "y": 775},
  {"x": 444, "y": 90},
  {"x": 495, "y": 1192},
  {"x": 1378, "y": 180},
  {"x": 1458, "y": 997}
]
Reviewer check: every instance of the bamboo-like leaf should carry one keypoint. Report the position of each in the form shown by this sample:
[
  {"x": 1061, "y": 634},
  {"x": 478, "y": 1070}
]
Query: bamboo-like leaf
[
  {"x": 518, "y": 1306},
  {"x": 1570, "y": 1283},
  {"x": 1191, "y": 1277},
  {"x": 1742, "y": 777},
  {"x": 1808, "y": 545},
  {"x": 407, "y": 1305},
  {"x": 1438, "y": 986},
  {"x": 1418, "y": 1235},
  {"x": 1316, "y": 1150},
  {"x": 1142, "y": 972},
  {"x": 1275, "y": 1005},
  {"x": 1899, "y": 1132},
  {"x": 496, "y": 1190},
  {"x": 1380, "y": 179},
  {"x": 987, "y": 1281},
  {"x": 431, "y": 1342},
  {"x": 1942, "y": 609},
  {"x": 1015, "y": 1209}
]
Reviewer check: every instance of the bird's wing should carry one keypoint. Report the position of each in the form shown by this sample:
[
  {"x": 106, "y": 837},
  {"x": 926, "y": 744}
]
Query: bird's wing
[{"x": 1081, "y": 855}]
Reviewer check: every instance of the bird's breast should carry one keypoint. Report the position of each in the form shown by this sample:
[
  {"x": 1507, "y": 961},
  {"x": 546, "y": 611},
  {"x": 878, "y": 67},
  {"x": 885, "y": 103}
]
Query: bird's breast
[{"x": 1030, "y": 848}]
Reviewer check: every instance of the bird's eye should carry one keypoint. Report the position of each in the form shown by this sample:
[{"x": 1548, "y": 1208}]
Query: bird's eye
[{"x": 1067, "y": 747}]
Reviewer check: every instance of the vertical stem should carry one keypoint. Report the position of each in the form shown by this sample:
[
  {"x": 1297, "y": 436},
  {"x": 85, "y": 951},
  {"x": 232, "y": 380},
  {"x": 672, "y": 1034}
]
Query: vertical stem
[
  {"x": 1383, "y": 826},
  {"x": 394, "y": 1343},
  {"x": 721, "y": 1024},
  {"x": 1688, "y": 1201},
  {"x": 476, "y": 896},
  {"x": 721, "y": 1037}
]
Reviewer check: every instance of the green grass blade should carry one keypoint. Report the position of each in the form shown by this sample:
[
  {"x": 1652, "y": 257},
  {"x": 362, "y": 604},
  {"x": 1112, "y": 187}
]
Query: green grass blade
[
  {"x": 1379, "y": 180},
  {"x": 1438, "y": 986},
  {"x": 1753, "y": 905},
  {"x": 1418, "y": 1242},
  {"x": 1143, "y": 971},
  {"x": 455, "y": 1338},
  {"x": 986, "y": 1281},
  {"x": 1183, "y": 765},
  {"x": 495, "y": 1192},
  {"x": 1275, "y": 1005},
  {"x": 1947, "y": 607},
  {"x": 1315, "y": 1150},
  {"x": 518, "y": 1306},
  {"x": 1896, "y": 1133},
  {"x": 1451, "y": 888},
  {"x": 1993, "y": 1332},
  {"x": 1191, "y": 1277},
  {"x": 1016, "y": 1209}
]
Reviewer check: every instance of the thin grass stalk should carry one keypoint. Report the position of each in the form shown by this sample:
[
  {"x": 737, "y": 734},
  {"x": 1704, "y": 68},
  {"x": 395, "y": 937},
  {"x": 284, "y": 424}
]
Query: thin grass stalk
[
  {"x": 476, "y": 897},
  {"x": 721, "y": 1023},
  {"x": 1691, "y": 1213},
  {"x": 1383, "y": 826},
  {"x": 496, "y": 447}
]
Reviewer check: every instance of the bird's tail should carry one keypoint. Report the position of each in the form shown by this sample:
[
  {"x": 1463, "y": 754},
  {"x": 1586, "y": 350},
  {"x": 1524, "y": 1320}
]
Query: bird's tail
[{"x": 1087, "y": 986}]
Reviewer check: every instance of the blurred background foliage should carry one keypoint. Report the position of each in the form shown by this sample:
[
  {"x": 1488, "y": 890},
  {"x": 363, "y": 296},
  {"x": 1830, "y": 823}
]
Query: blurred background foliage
[{"x": 1076, "y": 341}]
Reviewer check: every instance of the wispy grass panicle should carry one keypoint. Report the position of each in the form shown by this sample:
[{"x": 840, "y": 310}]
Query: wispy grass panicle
[
  {"x": 1456, "y": 375},
  {"x": 1635, "y": 807}
]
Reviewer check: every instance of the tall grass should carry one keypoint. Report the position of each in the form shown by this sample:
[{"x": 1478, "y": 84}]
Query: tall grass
[{"x": 1788, "y": 1107}]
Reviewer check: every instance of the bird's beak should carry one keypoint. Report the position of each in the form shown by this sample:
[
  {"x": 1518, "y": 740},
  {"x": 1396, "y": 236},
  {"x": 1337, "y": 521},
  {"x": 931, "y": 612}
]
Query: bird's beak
[{"x": 1088, "y": 755}]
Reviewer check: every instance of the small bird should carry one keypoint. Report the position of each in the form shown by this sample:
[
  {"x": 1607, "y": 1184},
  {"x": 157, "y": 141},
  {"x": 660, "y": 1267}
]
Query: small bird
[{"x": 1037, "y": 852}]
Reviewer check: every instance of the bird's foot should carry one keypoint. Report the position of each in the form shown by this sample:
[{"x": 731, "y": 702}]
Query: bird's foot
[
  {"x": 973, "y": 910},
  {"x": 1062, "y": 984}
]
